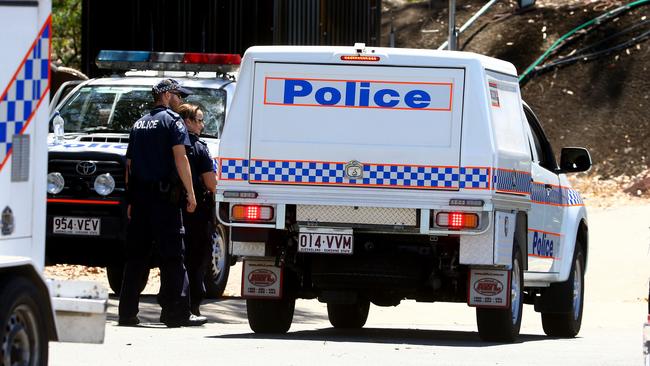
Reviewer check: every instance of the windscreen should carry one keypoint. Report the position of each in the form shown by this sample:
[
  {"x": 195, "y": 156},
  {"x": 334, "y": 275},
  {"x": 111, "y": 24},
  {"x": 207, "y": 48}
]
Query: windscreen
[{"x": 116, "y": 108}]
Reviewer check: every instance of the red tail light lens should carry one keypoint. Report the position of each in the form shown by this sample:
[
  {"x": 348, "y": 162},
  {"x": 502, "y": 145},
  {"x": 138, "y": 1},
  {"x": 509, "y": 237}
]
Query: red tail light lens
[
  {"x": 457, "y": 220},
  {"x": 251, "y": 213},
  {"x": 359, "y": 58}
]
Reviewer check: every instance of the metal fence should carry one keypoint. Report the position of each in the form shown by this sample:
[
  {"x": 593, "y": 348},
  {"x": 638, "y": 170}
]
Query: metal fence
[{"x": 225, "y": 26}]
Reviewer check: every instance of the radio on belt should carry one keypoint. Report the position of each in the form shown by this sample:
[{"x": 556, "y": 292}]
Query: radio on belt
[{"x": 399, "y": 174}]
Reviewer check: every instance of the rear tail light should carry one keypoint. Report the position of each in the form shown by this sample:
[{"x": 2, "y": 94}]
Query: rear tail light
[
  {"x": 457, "y": 220},
  {"x": 252, "y": 213}
]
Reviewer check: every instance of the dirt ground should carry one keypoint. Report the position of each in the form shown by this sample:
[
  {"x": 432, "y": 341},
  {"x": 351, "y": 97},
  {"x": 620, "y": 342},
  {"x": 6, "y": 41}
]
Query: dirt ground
[{"x": 602, "y": 104}]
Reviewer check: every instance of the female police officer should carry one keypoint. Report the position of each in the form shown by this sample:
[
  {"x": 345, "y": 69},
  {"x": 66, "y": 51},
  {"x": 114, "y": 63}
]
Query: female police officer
[
  {"x": 156, "y": 162},
  {"x": 198, "y": 224}
]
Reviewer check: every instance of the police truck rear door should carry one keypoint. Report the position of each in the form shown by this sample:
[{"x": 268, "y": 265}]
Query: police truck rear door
[{"x": 319, "y": 124}]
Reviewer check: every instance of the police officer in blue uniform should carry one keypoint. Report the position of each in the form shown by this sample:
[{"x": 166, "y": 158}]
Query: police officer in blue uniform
[
  {"x": 158, "y": 175},
  {"x": 199, "y": 225}
]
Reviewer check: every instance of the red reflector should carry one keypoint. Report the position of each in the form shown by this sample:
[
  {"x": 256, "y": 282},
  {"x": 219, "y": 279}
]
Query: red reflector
[
  {"x": 212, "y": 58},
  {"x": 360, "y": 58}
]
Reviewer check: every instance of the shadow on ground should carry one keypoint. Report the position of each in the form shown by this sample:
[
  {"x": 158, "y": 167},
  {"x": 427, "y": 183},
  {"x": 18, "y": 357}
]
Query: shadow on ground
[{"x": 420, "y": 337}]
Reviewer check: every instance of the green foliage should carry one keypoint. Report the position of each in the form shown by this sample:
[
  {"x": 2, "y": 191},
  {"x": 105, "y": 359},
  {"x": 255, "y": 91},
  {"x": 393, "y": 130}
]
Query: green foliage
[{"x": 66, "y": 33}]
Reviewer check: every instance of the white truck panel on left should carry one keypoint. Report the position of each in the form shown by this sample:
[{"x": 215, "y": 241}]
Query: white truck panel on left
[{"x": 26, "y": 296}]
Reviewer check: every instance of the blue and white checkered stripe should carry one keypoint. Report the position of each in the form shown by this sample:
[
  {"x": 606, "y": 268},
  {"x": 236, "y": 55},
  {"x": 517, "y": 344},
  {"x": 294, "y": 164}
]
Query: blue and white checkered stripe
[
  {"x": 571, "y": 197},
  {"x": 540, "y": 194},
  {"x": 475, "y": 178},
  {"x": 512, "y": 181},
  {"x": 21, "y": 97},
  {"x": 296, "y": 172},
  {"x": 310, "y": 172},
  {"x": 410, "y": 176},
  {"x": 233, "y": 169}
]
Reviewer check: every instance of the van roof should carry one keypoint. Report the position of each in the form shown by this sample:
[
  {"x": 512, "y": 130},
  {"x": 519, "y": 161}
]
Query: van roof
[{"x": 388, "y": 57}]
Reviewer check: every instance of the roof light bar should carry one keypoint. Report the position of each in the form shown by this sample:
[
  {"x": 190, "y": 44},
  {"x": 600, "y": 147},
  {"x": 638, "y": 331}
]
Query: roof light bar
[{"x": 168, "y": 61}]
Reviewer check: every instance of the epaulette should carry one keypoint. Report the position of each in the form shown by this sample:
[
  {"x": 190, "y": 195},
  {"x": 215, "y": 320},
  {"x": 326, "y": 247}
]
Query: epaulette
[{"x": 174, "y": 115}]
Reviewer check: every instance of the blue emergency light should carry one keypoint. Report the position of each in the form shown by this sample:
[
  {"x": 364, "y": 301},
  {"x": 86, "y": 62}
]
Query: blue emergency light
[{"x": 167, "y": 61}]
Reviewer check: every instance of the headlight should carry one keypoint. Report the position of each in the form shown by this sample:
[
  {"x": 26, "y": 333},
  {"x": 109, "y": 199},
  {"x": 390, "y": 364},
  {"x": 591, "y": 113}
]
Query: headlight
[
  {"x": 55, "y": 183},
  {"x": 104, "y": 184}
]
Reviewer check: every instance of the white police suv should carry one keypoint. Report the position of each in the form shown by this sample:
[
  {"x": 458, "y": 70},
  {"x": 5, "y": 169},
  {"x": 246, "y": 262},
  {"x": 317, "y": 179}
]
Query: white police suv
[
  {"x": 86, "y": 208},
  {"x": 372, "y": 175}
]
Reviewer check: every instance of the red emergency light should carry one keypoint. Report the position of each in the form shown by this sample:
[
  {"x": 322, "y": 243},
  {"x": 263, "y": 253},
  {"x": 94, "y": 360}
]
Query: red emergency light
[{"x": 168, "y": 61}]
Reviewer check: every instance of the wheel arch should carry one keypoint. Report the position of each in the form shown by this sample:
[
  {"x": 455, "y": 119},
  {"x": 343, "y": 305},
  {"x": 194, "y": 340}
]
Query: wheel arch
[
  {"x": 29, "y": 273},
  {"x": 574, "y": 230}
]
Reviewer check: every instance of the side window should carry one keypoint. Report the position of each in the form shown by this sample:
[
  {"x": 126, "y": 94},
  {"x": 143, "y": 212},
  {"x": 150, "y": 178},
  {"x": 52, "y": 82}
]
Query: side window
[{"x": 542, "y": 146}]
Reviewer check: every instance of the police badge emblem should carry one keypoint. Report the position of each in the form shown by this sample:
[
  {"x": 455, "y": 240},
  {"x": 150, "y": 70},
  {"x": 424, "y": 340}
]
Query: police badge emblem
[
  {"x": 180, "y": 125},
  {"x": 354, "y": 170}
]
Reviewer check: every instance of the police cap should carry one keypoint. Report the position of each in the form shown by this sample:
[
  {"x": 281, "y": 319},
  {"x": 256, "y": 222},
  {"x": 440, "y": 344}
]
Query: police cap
[{"x": 166, "y": 85}]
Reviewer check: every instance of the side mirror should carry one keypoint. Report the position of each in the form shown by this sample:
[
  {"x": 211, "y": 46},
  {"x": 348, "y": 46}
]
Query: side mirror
[{"x": 574, "y": 160}]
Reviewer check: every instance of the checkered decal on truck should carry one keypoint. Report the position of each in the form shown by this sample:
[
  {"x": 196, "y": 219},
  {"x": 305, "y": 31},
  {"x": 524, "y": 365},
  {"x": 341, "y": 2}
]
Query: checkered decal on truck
[
  {"x": 512, "y": 181},
  {"x": 571, "y": 197},
  {"x": 25, "y": 92},
  {"x": 233, "y": 169},
  {"x": 475, "y": 178},
  {"x": 295, "y": 172},
  {"x": 375, "y": 175}
]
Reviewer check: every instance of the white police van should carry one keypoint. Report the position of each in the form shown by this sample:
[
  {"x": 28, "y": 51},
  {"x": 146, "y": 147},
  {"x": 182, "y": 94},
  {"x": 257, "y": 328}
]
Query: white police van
[
  {"x": 371, "y": 175},
  {"x": 33, "y": 310},
  {"x": 86, "y": 218}
]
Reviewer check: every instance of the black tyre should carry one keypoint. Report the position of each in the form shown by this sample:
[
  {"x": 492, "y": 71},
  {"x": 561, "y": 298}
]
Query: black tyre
[
  {"x": 348, "y": 316},
  {"x": 503, "y": 325},
  {"x": 270, "y": 316},
  {"x": 216, "y": 277},
  {"x": 22, "y": 324},
  {"x": 115, "y": 275},
  {"x": 567, "y": 295}
]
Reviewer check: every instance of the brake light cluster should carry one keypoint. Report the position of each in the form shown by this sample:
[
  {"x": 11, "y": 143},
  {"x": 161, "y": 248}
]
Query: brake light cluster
[
  {"x": 169, "y": 61},
  {"x": 457, "y": 220},
  {"x": 252, "y": 213}
]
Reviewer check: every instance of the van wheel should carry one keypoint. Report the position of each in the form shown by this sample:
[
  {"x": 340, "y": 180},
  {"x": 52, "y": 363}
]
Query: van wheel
[
  {"x": 22, "y": 325},
  {"x": 216, "y": 277},
  {"x": 270, "y": 316},
  {"x": 115, "y": 275},
  {"x": 350, "y": 316},
  {"x": 502, "y": 325},
  {"x": 567, "y": 295}
]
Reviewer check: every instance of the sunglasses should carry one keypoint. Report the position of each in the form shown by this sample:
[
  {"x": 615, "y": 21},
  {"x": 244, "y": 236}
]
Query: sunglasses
[
  {"x": 200, "y": 120},
  {"x": 177, "y": 94}
]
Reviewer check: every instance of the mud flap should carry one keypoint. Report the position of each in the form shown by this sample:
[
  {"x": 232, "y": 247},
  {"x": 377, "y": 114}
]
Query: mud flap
[
  {"x": 261, "y": 279},
  {"x": 488, "y": 288}
]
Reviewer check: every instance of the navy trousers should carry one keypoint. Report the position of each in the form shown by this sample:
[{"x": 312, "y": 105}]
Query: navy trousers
[{"x": 155, "y": 220}]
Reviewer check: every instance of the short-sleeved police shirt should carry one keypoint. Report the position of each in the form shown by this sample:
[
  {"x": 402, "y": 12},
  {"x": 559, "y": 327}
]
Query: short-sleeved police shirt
[
  {"x": 150, "y": 144},
  {"x": 200, "y": 161}
]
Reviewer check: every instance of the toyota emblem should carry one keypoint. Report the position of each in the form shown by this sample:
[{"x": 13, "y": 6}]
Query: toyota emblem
[{"x": 86, "y": 168}]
